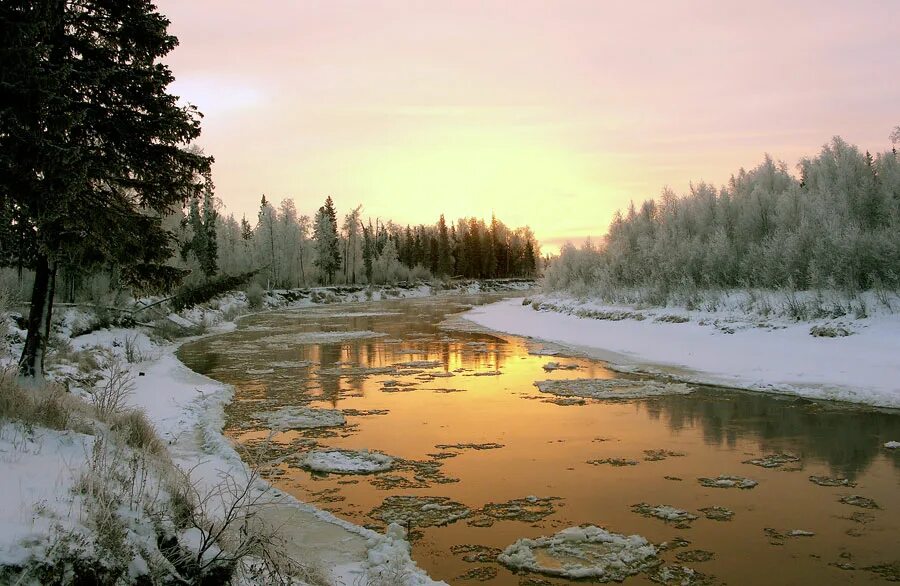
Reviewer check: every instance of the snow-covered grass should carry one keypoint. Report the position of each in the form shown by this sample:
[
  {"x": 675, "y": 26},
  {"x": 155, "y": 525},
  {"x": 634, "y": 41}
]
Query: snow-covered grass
[
  {"x": 729, "y": 343},
  {"x": 70, "y": 504}
]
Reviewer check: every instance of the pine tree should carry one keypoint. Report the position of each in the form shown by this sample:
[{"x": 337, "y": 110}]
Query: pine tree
[
  {"x": 445, "y": 260},
  {"x": 369, "y": 253},
  {"x": 328, "y": 252},
  {"x": 246, "y": 229},
  {"x": 92, "y": 147}
]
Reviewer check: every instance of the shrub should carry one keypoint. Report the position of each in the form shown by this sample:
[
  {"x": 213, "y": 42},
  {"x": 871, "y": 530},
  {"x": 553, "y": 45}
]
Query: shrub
[{"x": 255, "y": 295}]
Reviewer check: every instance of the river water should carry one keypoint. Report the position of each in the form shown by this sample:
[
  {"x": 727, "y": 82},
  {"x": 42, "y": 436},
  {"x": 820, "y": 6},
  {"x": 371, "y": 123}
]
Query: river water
[{"x": 464, "y": 421}]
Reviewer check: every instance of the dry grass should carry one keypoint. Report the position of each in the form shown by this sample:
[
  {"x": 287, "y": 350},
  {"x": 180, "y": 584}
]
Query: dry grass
[
  {"x": 43, "y": 405},
  {"x": 133, "y": 427}
]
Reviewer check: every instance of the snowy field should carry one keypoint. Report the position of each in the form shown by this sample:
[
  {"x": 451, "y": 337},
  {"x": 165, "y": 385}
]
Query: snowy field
[{"x": 844, "y": 359}]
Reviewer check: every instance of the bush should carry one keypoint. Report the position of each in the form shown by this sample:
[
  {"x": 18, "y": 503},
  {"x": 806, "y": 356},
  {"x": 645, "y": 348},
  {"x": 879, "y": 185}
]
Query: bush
[{"x": 254, "y": 295}]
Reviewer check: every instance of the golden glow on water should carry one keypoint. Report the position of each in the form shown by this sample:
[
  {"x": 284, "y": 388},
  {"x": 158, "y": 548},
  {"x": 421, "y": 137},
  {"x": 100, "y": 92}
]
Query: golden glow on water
[{"x": 546, "y": 446}]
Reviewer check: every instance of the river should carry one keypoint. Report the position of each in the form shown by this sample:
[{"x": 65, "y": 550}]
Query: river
[{"x": 474, "y": 438}]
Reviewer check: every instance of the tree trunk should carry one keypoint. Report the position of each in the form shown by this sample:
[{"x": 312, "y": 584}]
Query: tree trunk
[{"x": 31, "y": 364}]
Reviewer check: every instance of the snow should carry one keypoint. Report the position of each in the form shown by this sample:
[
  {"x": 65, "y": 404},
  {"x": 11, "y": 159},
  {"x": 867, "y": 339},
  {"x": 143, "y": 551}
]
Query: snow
[
  {"x": 582, "y": 552},
  {"x": 41, "y": 466},
  {"x": 725, "y": 348},
  {"x": 36, "y": 485},
  {"x": 347, "y": 461},
  {"x": 892, "y": 445},
  {"x": 297, "y": 417}
]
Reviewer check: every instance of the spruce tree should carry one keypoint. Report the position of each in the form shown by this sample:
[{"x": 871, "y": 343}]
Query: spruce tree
[
  {"x": 445, "y": 260},
  {"x": 92, "y": 146},
  {"x": 328, "y": 252}
]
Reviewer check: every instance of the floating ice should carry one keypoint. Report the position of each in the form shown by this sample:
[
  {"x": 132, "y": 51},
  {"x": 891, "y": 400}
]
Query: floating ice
[
  {"x": 725, "y": 481},
  {"x": 717, "y": 513},
  {"x": 551, "y": 366},
  {"x": 859, "y": 501},
  {"x": 321, "y": 337},
  {"x": 600, "y": 388},
  {"x": 682, "y": 519},
  {"x": 773, "y": 460},
  {"x": 347, "y": 461},
  {"x": 582, "y": 552},
  {"x": 829, "y": 481},
  {"x": 420, "y": 511},
  {"x": 420, "y": 364},
  {"x": 296, "y": 417}
]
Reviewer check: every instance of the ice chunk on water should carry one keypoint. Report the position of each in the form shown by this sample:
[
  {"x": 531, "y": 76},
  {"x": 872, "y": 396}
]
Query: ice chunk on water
[{"x": 582, "y": 552}]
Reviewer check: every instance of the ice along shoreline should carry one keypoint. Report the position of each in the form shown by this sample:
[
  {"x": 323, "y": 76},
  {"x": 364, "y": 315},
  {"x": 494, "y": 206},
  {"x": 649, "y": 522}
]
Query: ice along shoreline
[{"x": 775, "y": 356}]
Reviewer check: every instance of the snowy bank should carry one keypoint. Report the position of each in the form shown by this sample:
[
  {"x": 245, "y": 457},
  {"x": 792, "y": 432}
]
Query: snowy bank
[
  {"x": 186, "y": 409},
  {"x": 720, "y": 348}
]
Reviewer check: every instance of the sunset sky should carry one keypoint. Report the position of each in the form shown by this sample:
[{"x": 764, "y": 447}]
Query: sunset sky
[{"x": 552, "y": 114}]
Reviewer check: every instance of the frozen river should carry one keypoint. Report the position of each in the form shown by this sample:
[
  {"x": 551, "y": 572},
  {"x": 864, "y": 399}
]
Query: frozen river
[{"x": 479, "y": 457}]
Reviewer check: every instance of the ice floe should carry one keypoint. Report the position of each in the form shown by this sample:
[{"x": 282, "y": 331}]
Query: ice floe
[
  {"x": 296, "y": 417},
  {"x": 830, "y": 481},
  {"x": 716, "y": 513},
  {"x": 347, "y": 461},
  {"x": 600, "y": 388},
  {"x": 321, "y": 337},
  {"x": 859, "y": 501},
  {"x": 582, "y": 552},
  {"x": 773, "y": 460},
  {"x": 681, "y": 519},
  {"x": 726, "y": 481},
  {"x": 420, "y": 511}
]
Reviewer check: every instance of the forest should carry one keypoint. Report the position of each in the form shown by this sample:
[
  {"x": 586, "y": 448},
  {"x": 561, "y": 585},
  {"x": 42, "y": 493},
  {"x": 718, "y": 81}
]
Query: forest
[
  {"x": 287, "y": 249},
  {"x": 834, "y": 225}
]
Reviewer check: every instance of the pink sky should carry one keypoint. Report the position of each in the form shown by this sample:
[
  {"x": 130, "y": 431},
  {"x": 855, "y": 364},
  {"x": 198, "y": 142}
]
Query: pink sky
[{"x": 552, "y": 114}]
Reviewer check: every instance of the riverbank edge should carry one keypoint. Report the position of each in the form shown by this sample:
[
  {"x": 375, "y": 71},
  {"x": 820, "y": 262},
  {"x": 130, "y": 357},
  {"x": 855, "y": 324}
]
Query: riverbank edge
[{"x": 774, "y": 355}]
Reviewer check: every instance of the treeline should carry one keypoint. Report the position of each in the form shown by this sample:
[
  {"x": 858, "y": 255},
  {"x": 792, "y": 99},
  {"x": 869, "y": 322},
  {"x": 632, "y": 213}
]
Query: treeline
[
  {"x": 292, "y": 250},
  {"x": 835, "y": 225}
]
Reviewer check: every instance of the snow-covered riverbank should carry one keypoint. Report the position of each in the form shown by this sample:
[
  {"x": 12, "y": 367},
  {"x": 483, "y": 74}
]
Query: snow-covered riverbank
[
  {"x": 843, "y": 359},
  {"x": 187, "y": 412}
]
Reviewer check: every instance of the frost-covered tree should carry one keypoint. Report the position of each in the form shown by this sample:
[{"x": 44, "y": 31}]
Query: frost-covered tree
[{"x": 835, "y": 225}]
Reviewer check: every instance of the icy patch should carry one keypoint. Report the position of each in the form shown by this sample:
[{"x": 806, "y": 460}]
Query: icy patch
[
  {"x": 347, "y": 461},
  {"x": 295, "y": 417},
  {"x": 291, "y": 364},
  {"x": 892, "y": 445},
  {"x": 617, "y": 462},
  {"x": 773, "y": 460},
  {"x": 859, "y": 501},
  {"x": 530, "y": 509},
  {"x": 551, "y": 366},
  {"x": 599, "y": 388},
  {"x": 420, "y": 511},
  {"x": 321, "y": 337},
  {"x": 257, "y": 371},
  {"x": 485, "y": 446},
  {"x": 356, "y": 314},
  {"x": 716, "y": 513},
  {"x": 420, "y": 364},
  {"x": 725, "y": 481},
  {"x": 694, "y": 555},
  {"x": 657, "y": 455},
  {"x": 669, "y": 514},
  {"x": 582, "y": 552},
  {"x": 829, "y": 481}
]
